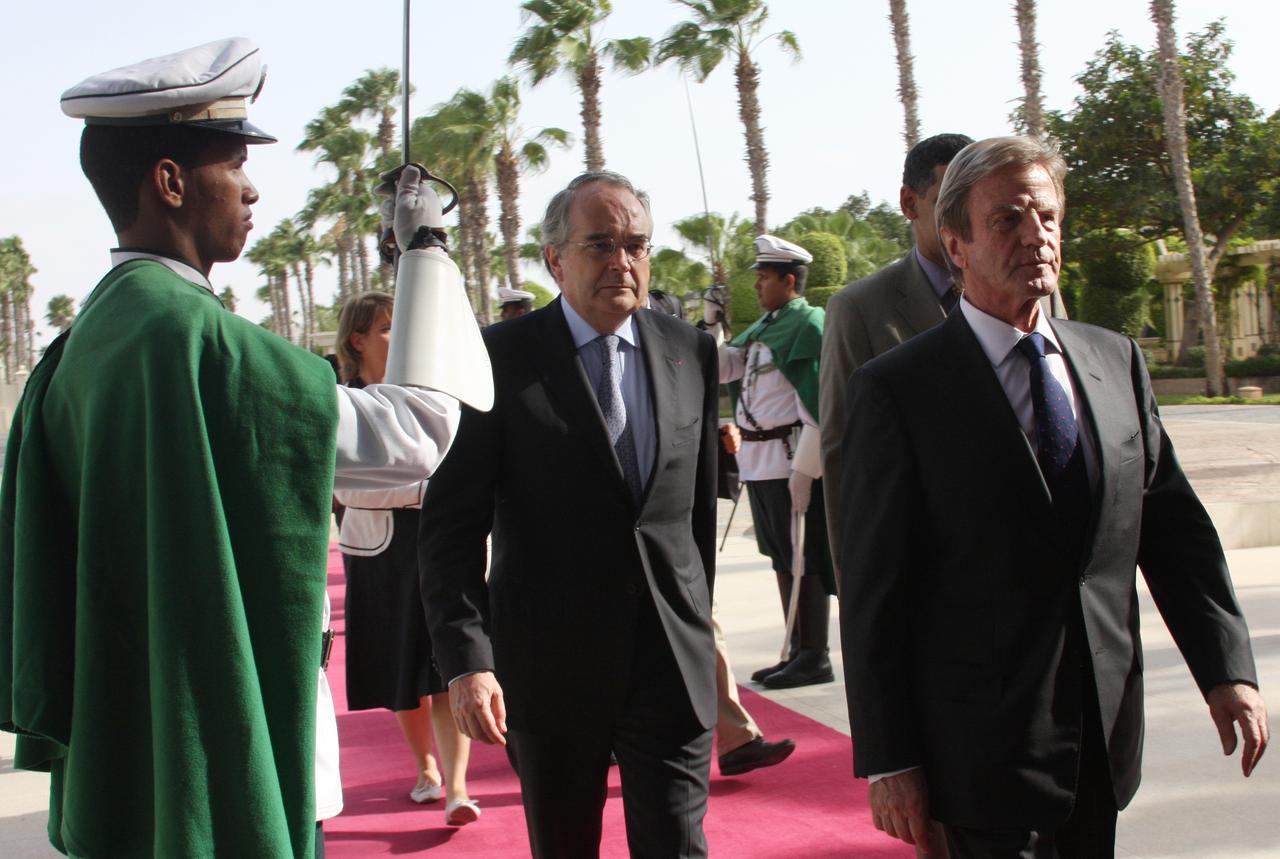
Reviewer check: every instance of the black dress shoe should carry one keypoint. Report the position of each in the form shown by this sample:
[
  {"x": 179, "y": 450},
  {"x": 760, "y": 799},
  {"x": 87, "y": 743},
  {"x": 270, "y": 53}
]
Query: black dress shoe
[
  {"x": 758, "y": 676},
  {"x": 755, "y": 754},
  {"x": 807, "y": 669}
]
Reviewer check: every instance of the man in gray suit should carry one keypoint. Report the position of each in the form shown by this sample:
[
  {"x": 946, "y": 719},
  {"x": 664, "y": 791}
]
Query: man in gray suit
[{"x": 876, "y": 313}]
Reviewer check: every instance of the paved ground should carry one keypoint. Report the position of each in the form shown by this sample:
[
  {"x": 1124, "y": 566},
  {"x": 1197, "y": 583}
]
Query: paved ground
[{"x": 1193, "y": 802}]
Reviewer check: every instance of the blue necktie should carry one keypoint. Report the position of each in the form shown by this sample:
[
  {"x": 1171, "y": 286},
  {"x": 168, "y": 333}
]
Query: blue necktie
[
  {"x": 1061, "y": 454},
  {"x": 609, "y": 395}
]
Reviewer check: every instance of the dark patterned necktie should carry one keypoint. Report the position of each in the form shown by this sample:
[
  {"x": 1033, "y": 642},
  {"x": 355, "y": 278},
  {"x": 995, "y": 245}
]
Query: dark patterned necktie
[
  {"x": 609, "y": 395},
  {"x": 1061, "y": 454},
  {"x": 951, "y": 298}
]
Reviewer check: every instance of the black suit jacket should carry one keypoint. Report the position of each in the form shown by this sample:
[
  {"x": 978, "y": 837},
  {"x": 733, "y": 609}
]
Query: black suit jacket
[
  {"x": 959, "y": 592},
  {"x": 574, "y": 560}
]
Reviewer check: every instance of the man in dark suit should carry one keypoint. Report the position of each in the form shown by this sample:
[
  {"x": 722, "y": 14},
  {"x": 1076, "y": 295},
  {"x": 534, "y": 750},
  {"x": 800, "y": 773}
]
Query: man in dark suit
[
  {"x": 595, "y": 472},
  {"x": 1010, "y": 475}
]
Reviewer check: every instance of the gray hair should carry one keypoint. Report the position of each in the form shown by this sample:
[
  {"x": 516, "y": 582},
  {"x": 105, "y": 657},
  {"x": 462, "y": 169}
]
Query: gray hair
[
  {"x": 555, "y": 223},
  {"x": 979, "y": 160}
]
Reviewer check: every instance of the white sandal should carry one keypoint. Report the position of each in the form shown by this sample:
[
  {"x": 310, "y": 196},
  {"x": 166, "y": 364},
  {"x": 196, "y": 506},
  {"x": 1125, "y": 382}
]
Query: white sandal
[
  {"x": 427, "y": 793},
  {"x": 460, "y": 812}
]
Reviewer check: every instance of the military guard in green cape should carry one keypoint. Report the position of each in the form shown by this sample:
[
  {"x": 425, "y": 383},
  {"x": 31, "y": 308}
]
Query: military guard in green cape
[
  {"x": 164, "y": 514},
  {"x": 772, "y": 371}
]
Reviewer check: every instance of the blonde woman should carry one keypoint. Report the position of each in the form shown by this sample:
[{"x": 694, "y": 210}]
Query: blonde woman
[{"x": 389, "y": 662}]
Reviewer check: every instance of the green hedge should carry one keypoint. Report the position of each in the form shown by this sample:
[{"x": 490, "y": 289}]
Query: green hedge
[
  {"x": 819, "y": 296},
  {"x": 1259, "y": 365},
  {"x": 1171, "y": 371}
]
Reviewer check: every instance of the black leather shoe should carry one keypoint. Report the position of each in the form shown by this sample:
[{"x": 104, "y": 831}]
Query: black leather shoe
[
  {"x": 755, "y": 754},
  {"x": 807, "y": 669},
  {"x": 758, "y": 676}
]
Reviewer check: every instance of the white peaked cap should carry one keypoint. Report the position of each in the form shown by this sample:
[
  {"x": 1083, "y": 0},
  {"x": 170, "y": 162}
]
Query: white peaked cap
[
  {"x": 208, "y": 85},
  {"x": 506, "y": 295},
  {"x": 776, "y": 251}
]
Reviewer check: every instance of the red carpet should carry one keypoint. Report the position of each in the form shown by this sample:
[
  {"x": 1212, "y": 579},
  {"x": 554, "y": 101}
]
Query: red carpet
[{"x": 810, "y": 806}]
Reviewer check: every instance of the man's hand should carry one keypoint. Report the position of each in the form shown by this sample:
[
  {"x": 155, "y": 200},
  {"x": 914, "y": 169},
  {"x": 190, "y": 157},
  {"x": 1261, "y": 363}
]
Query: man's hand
[
  {"x": 1232, "y": 703},
  {"x": 713, "y": 301},
  {"x": 900, "y": 807},
  {"x": 731, "y": 438},
  {"x": 801, "y": 488},
  {"x": 478, "y": 708}
]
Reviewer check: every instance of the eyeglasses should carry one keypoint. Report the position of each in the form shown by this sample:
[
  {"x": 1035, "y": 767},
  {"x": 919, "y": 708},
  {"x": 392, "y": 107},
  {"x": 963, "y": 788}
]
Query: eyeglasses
[{"x": 636, "y": 249}]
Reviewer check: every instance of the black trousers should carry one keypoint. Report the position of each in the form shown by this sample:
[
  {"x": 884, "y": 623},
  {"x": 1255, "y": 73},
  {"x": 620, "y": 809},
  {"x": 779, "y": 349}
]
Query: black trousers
[
  {"x": 663, "y": 754},
  {"x": 771, "y": 514},
  {"x": 1089, "y": 832}
]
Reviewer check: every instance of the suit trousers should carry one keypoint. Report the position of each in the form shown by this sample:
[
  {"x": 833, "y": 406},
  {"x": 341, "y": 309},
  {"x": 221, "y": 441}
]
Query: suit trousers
[
  {"x": 734, "y": 725},
  {"x": 1089, "y": 832},
  {"x": 664, "y": 759}
]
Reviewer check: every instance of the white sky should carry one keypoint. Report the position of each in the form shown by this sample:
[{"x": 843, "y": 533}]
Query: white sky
[{"x": 832, "y": 121}]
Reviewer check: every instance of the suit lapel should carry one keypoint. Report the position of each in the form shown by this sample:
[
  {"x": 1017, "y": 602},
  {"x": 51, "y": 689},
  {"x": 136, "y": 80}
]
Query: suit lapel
[
  {"x": 916, "y": 302},
  {"x": 662, "y": 368},
  {"x": 567, "y": 384},
  {"x": 1098, "y": 412}
]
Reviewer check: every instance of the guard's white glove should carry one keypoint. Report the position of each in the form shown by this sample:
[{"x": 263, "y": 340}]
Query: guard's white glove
[
  {"x": 801, "y": 488},
  {"x": 417, "y": 205},
  {"x": 386, "y": 215},
  {"x": 713, "y": 301}
]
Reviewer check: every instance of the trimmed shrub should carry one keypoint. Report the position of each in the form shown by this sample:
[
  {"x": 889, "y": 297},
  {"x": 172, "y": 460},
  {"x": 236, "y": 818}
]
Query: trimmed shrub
[
  {"x": 1259, "y": 365},
  {"x": 1117, "y": 270},
  {"x": 829, "y": 266},
  {"x": 818, "y": 296}
]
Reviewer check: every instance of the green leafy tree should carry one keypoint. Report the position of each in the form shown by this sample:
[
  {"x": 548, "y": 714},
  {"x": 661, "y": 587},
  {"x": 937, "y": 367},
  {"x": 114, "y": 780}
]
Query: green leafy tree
[
  {"x": 541, "y": 295},
  {"x": 563, "y": 35},
  {"x": 720, "y": 28},
  {"x": 671, "y": 271},
  {"x": 829, "y": 267},
  {"x": 1115, "y": 142},
  {"x": 61, "y": 312}
]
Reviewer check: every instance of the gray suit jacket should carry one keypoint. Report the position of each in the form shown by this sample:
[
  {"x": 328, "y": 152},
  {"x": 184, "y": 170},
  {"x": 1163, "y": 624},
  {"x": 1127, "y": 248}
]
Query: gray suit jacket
[{"x": 866, "y": 319}]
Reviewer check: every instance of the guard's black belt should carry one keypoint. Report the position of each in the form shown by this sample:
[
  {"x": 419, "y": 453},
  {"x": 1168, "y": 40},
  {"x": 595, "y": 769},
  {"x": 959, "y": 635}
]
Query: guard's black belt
[{"x": 769, "y": 434}]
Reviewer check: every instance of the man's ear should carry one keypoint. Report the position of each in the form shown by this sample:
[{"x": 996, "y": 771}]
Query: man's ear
[
  {"x": 552, "y": 255},
  {"x": 908, "y": 200},
  {"x": 953, "y": 246},
  {"x": 168, "y": 182}
]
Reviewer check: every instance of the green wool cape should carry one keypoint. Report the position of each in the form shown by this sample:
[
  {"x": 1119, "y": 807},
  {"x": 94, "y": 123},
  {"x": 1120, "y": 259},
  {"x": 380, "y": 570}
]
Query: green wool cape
[
  {"x": 164, "y": 518},
  {"x": 794, "y": 336}
]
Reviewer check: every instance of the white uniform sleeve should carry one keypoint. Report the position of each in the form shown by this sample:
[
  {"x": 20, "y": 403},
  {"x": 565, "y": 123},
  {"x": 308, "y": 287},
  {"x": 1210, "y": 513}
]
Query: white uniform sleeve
[
  {"x": 733, "y": 360},
  {"x": 808, "y": 458},
  {"x": 389, "y": 436},
  {"x": 383, "y": 499}
]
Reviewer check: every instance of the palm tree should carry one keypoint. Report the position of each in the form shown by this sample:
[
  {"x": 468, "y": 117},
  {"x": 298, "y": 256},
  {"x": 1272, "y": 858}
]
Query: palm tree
[
  {"x": 1175, "y": 127},
  {"x": 907, "y": 92},
  {"x": 228, "y": 298},
  {"x": 562, "y": 36},
  {"x": 721, "y": 27},
  {"x": 344, "y": 147},
  {"x": 61, "y": 312},
  {"x": 16, "y": 327},
  {"x": 375, "y": 93},
  {"x": 1032, "y": 101},
  {"x": 271, "y": 259}
]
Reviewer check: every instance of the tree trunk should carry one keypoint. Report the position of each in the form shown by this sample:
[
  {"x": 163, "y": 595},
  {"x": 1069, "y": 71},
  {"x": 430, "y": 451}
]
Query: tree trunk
[
  {"x": 387, "y": 130},
  {"x": 6, "y": 324},
  {"x": 907, "y": 92},
  {"x": 309, "y": 272},
  {"x": 362, "y": 259},
  {"x": 308, "y": 324},
  {"x": 509, "y": 205},
  {"x": 339, "y": 251},
  {"x": 463, "y": 251},
  {"x": 1175, "y": 127},
  {"x": 286, "y": 306},
  {"x": 1032, "y": 102},
  {"x": 747, "y": 74},
  {"x": 589, "y": 86},
  {"x": 479, "y": 194}
]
